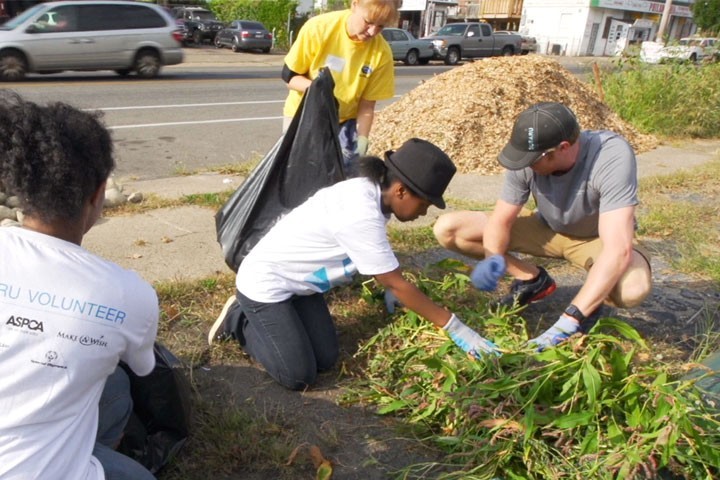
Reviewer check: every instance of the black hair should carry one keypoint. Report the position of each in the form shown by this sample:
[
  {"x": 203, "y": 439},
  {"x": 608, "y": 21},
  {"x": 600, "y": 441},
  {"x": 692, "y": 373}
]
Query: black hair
[
  {"x": 52, "y": 157},
  {"x": 376, "y": 169}
]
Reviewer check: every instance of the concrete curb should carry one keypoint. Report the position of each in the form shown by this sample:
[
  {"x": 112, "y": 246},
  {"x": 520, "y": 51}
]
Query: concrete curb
[{"x": 180, "y": 244}]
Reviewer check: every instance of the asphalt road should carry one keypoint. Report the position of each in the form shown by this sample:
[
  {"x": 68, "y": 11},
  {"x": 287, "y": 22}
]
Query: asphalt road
[
  {"x": 197, "y": 116},
  {"x": 191, "y": 119}
]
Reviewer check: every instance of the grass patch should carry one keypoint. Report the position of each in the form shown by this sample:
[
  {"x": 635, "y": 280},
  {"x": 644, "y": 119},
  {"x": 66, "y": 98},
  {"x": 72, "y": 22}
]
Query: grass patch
[
  {"x": 674, "y": 100},
  {"x": 411, "y": 240},
  {"x": 592, "y": 408},
  {"x": 154, "y": 202},
  {"x": 681, "y": 211},
  {"x": 601, "y": 406}
]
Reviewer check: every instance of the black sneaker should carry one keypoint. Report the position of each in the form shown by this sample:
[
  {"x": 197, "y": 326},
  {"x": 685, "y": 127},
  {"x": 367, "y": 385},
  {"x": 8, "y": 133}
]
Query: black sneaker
[
  {"x": 218, "y": 331},
  {"x": 524, "y": 292}
]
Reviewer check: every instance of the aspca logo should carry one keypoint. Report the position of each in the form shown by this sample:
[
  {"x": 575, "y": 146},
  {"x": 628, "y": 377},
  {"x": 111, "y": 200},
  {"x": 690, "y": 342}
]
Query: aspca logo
[{"x": 25, "y": 323}]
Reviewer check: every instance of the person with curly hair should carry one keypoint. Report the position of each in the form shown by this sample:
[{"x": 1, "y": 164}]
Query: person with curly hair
[{"x": 67, "y": 316}]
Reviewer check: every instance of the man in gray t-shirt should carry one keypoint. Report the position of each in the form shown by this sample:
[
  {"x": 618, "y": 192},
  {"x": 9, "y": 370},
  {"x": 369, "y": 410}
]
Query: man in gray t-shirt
[{"x": 584, "y": 185}]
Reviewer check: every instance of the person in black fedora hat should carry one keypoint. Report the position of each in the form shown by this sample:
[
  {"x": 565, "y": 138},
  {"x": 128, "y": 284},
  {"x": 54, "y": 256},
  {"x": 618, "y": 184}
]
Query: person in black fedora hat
[
  {"x": 279, "y": 314},
  {"x": 584, "y": 184}
]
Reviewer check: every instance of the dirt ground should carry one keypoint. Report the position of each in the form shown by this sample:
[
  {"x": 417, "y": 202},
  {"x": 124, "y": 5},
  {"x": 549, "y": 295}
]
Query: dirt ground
[{"x": 365, "y": 446}]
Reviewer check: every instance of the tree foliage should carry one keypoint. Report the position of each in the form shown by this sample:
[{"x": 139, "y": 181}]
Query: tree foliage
[
  {"x": 706, "y": 14},
  {"x": 277, "y": 15}
]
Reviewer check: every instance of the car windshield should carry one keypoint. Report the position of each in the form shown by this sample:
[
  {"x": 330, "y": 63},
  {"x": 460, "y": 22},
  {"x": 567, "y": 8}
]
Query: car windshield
[
  {"x": 20, "y": 19},
  {"x": 452, "y": 30},
  {"x": 690, "y": 42},
  {"x": 203, "y": 16}
]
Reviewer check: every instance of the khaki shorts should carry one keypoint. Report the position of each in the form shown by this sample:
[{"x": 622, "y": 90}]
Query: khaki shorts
[{"x": 532, "y": 236}]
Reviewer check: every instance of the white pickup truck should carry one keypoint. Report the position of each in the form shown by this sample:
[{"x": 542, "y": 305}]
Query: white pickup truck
[
  {"x": 689, "y": 49},
  {"x": 472, "y": 40}
]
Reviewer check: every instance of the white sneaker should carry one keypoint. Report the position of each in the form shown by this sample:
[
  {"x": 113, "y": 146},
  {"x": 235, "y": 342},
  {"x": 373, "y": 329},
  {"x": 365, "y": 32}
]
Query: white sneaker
[{"x": 217, "y": 331}]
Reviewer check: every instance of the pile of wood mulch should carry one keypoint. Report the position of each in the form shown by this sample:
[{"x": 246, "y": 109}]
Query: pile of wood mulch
[{"x": 469, "y": 111}]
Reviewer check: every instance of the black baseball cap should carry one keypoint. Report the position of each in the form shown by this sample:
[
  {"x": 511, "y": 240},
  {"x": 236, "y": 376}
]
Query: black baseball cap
[
  {"x": 423, "y": 167},
  {"x": 541, "y": 127}
]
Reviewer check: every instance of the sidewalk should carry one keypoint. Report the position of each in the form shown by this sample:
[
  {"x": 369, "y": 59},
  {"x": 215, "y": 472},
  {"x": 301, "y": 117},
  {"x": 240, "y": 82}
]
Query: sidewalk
[
  {"x": 208, "y": 55},
  {"x": 180, "y": 244}
]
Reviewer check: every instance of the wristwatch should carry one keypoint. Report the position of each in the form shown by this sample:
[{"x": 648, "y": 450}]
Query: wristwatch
[{"x": 574, "y": 312}]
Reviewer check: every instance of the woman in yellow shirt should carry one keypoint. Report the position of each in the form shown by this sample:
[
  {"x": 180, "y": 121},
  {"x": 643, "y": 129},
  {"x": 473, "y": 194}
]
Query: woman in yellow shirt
[{"x": 361, "y": 63}]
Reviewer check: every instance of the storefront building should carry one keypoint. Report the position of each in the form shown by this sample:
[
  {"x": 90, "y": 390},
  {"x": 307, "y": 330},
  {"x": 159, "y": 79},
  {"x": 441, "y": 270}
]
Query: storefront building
[{"x": 600, "y": 27}]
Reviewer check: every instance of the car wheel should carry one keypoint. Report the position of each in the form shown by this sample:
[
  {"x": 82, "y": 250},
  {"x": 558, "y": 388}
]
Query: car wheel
[
  {"x": 693, "y": 58},
  {"x": 235, "y": 47},
  {"x": 453, "y": 56},
  {"x": 197, "y": 37},
  {"x": 266, "y": 50},
  {"x": 412, "y": 57},
  {"x": 12, "y": 67},
  {"x": 147, "y": 64},
  {"x": 217, "y": 42},
  {"x": 123, "y": 72},
  {"x": 507, "y": 51}
]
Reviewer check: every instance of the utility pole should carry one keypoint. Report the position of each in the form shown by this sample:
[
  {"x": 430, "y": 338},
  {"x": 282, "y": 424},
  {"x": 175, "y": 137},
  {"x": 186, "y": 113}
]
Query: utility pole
[{"x": 664, "y": 21}]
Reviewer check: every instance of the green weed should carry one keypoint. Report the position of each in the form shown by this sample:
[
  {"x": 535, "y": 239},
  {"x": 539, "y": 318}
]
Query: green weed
[
  {"x": 676, "y": 100},
  {"x": 586, "y": 409}
]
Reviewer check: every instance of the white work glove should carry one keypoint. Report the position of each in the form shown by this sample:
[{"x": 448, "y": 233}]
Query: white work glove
[
  {"x": 362, "y": 145},
  {"x": 468, "y": 339},
  {"x": 564, "y": 328}
]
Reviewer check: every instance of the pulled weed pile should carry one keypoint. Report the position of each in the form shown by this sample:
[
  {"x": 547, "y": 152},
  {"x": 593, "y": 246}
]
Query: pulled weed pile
[{"x": 586, "y": 409}]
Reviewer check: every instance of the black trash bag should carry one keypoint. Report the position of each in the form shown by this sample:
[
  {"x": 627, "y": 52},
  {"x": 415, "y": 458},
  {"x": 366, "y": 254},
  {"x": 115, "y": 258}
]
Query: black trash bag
[
  {"x": 304, "y": 160},
  {"x": 160, "y": 422}
]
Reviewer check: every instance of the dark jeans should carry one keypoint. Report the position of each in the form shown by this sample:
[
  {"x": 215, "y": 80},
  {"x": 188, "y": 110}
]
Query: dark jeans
[
  {"x": 115, "y": 408},
  {"x": 293, "y": 340}
]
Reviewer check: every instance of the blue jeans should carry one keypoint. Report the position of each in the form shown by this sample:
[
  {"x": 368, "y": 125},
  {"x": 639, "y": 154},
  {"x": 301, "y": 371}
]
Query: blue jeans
[
  {"x": 348, "y": 142},
  {"x": 115, "y": 409},
  {"x": 293, "y": 340}
]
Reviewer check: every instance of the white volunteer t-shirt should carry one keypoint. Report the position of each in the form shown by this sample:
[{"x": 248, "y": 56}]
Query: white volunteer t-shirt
[
  {"x": 322, "y": 243},
  {"x": 66, "y": 318}
]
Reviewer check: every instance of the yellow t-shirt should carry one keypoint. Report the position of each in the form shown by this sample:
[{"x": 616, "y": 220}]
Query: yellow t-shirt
[{"x": 359, "y": 69}]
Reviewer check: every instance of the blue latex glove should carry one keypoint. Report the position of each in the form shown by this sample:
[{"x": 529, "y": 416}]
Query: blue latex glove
[
  {"x": 468, "y": 339},
  {"x": 391, "y": 302},
  {"x": 486, "y": 273},
  {"x": 561, "y": 330}
]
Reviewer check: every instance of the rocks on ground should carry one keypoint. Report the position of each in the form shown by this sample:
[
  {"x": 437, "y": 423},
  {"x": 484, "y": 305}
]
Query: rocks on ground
[{"x": 11, "y": 211}]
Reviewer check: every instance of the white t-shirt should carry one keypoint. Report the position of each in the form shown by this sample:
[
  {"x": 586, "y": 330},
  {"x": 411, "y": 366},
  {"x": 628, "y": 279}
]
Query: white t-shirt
[
  {"x": 66, "y": 318},
  {"x": 322, "y": 243}
]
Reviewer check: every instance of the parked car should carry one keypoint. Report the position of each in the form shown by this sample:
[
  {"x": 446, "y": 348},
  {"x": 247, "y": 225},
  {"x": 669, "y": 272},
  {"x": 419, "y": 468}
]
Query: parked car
[
  {"x": 406, "y": 48},
  {"x": 89, "y": 35},
  {"x": 528, "y": 44},
  {"x": 689, "y": 49},
  {"x": 245, "y": 35},
  {"x": 472, "y": 40},
  {"x": 199, "y": 23}
]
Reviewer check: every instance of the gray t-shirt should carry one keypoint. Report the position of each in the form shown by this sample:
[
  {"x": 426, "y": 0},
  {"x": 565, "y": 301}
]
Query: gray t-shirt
[{"x": 603, "y": 179}]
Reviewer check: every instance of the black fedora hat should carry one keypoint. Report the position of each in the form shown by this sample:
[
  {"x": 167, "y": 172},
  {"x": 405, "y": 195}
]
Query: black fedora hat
[{"x": 423, "y": 168}]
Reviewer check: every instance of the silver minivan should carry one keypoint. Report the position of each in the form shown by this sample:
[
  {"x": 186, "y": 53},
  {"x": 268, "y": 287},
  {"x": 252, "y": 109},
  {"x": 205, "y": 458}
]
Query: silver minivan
[{"x": 124, "y": 36}]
